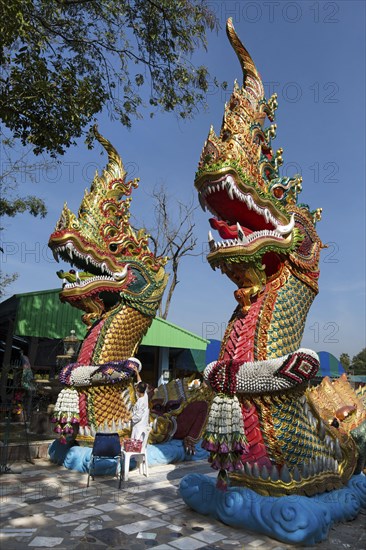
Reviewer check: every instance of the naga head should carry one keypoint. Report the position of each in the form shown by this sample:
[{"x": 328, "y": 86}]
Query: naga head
[
  {"x": 255, "y": 211},
  {"x": 112, "y": 264}
]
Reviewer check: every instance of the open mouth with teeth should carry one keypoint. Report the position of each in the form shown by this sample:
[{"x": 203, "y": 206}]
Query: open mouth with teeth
[
  {"x": 92, "y": 277},
  {"x": 251, "y": 228}
]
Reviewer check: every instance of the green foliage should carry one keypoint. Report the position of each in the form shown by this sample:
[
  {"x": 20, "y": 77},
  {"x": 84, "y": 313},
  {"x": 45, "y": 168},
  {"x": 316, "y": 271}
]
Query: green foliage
[
  {"x": 5, "y": 281},
  {"x": 31, "y": 204},
  {"x": 345, "y": 361},
  {"x": 64, "y": 60},
  {"x": 359, "y": 362}
]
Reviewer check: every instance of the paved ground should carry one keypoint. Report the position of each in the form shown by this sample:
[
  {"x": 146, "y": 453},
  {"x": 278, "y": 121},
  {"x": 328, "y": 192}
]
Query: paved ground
[{"x": 47, "y": 506}]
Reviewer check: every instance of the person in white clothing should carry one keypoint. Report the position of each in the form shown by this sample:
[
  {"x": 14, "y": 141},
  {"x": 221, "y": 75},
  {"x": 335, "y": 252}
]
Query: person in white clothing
[{"x": 140, "y": 410}]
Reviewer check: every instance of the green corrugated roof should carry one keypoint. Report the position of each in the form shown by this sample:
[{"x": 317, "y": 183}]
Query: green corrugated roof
[
  {"x": 42, "y": 314},
  {"x": 172, "y": 336}
]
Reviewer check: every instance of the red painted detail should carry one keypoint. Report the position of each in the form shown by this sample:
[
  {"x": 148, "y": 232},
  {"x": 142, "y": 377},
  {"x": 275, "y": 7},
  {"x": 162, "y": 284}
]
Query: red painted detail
[
  {"x": 83, "y": 409},
  {"x": 227, "y": 231},
  {"x": 87, "y": 347},
  {"x": 313, "y": 274},
  {"x": 278, "y": 192},
  {"x": 256, "y": 451},
  {"x": 240, "y": 344},
  {"x": 236, "y": 211}
]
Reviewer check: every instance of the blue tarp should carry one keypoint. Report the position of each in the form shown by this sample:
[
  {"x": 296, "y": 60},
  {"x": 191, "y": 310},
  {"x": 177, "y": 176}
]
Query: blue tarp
[
  {"x": 212, "y": 351},
  {"x": 329, "y": 365}
]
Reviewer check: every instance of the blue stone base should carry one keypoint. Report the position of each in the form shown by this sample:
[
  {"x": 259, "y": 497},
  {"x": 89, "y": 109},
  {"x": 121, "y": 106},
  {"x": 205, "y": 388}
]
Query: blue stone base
[
  {"x": 291, "y": 519},
  {"x": 78, "y": 458}
]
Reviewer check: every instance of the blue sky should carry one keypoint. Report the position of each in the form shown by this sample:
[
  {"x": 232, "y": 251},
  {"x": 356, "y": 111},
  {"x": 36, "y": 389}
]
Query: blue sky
[{"x": 313, "y": 55}]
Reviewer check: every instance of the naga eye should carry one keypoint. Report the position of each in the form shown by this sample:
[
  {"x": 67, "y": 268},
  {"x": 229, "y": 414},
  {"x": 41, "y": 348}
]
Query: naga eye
[
  {"x": 278, "y": 192},
  {"x": 72, "y": 271},
  {"x": 113, "y": 247}
]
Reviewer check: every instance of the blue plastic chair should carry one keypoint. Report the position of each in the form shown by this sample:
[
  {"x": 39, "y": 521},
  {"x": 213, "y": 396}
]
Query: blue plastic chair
[{"x": 106, "y": 445}]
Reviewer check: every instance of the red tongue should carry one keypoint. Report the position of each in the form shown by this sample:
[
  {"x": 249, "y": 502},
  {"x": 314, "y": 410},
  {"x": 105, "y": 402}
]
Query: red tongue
[{"x": 226, "y": 231}]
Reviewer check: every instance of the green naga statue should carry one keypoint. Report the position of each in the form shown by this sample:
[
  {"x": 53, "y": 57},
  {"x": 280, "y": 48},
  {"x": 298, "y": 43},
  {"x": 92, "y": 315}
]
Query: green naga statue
[
  {"x": 267, "y": 431},
  {"x": 118, "y": 283}
]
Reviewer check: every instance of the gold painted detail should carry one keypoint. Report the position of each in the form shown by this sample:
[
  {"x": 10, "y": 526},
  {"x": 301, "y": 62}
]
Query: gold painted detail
[
  {"x": 265, "y": 316},
  {"x": 292, "y": 440},
  {"x": 121, "y": 335},
  {"x": 253, "y": 283},
  {"x": 239, "y": 164},
  {"x": 299, "y": 439},
  {"x": 107, "y": 409},
  {"x": 251, "y": 78},
  {"x": 163, "y": 428},
  {"x": 124, "y": 288},
  {"x": 108, "y": 405},
  {"x": 337, "y": 399},
  {"x": 327, "y": 481},
  {"x": 264, "y": 410},
  {"x": 238, "y": 255},
  {"x": 103, "y": 219},
  {"x": 176, "y": 390},
  {"x": 288, "y": 318},
  {"x": 350, "y": 455}
]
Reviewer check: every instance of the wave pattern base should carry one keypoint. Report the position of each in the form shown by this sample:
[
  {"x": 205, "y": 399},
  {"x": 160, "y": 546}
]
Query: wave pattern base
[{"x": 291, "y": 519}]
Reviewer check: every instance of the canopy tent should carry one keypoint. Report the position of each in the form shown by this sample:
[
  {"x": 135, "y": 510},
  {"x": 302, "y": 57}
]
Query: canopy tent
[{"x": 329, "y": 365}]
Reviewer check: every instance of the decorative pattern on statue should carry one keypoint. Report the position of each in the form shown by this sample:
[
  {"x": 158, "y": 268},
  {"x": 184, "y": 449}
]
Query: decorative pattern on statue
[
  {"x": 118, "y": 282},
  {"x": 179, "y": 410},
  {"x": 269, "y": 248}
]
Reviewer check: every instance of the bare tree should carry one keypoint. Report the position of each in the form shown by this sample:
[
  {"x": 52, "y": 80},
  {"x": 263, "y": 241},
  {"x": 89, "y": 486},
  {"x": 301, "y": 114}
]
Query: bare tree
[{"x": 172, "y": 236}]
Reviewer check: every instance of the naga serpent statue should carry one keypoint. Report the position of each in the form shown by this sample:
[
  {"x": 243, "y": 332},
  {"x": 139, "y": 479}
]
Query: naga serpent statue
[
  {"x": 118, "y": 283},
  {"x": 268, "y": 433}
]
